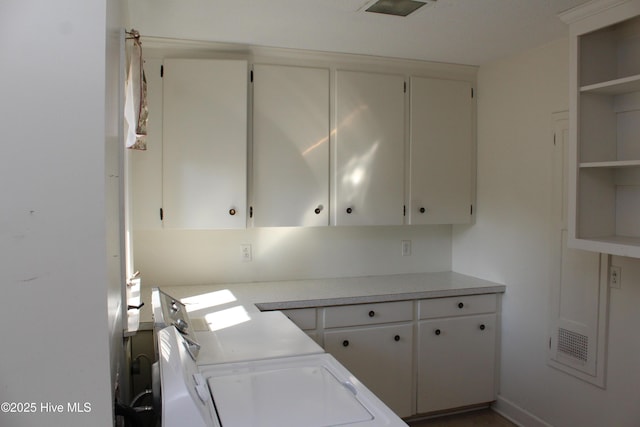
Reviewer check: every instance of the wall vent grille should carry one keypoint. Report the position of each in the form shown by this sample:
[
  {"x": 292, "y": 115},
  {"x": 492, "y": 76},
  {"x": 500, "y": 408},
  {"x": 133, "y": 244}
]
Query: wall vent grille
[{"x": 573, "y": 344}]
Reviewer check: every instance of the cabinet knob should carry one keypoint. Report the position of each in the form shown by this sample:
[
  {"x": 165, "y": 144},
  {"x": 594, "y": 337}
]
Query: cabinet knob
[
  {"x": 482, "y": 327},
  {"x": 232, "y": 211},
  {"x": 460, "y": 305},
  {"x": 422, "y": 210},
  {"x": 437, "y": 332},
  {"x": 345, "y": 343},
  {"x": 181, "y": 325},
  {"x": 318, "y": 210},
  {"x": 397, "y": 338},
  {"x": 372, "y": 313},
  {"x": 174, "y": 307},
  {"x": 349, "y": 210}
]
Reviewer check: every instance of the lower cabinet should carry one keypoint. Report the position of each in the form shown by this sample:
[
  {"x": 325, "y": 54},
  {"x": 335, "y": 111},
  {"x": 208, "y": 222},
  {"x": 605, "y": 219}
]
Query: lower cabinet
[
  {"x": 305, "y": 319},
  {"x": 419, "y": 356},
  {"x": 381, "y": 357},
  {"x": 456, "y": 364}
]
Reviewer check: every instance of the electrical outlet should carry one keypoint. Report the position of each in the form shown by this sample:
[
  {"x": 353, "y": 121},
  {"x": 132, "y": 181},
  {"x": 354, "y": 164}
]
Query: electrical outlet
[
  {"x": 406, "y": 247},
  {"x": 614, "y": 276},
  {"x": 245, "y": 252}
]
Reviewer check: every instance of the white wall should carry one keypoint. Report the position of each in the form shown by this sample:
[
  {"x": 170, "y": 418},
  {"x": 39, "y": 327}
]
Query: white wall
[
  {"x": 510, "y": 244},
  {"x": 114, "y": 188},
  {"x": 57, "y": 332},
  {"x": 166, "y": 257}
]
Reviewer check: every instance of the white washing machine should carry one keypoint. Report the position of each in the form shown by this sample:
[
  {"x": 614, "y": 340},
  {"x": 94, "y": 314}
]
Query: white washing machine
[
  {"x": 299, "y": 391},
  {"x": 274, "y": 379}
]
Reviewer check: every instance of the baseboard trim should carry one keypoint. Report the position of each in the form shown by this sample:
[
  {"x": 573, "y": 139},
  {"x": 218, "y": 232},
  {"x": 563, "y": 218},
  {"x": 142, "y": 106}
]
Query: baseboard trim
[{"x": 516, "y": 414}]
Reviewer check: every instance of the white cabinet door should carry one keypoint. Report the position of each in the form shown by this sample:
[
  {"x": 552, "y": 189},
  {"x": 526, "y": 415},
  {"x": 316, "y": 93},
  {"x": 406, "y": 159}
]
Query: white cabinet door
[
  {"x": 441, "y": 139},
  {"x": 579, "y": 287},
  {"x": 456, "y": 362},
  {"x": 290, "y": 146},
  {"x": 369, "y": 157},
  {"x": 204, "y": 143},
  {"x": 380, "y": 357}
]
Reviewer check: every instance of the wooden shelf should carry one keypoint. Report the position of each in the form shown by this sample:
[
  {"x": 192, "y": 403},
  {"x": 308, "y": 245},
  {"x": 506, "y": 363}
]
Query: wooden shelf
[
  {"x": 614, "y": 245},
  {"x": 611, "y": 164},
  {"x": 604, "y": 196},
  {"x": 614, "y": 87}
]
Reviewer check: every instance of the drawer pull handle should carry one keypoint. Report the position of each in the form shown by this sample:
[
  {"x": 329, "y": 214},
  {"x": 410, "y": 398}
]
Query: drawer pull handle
[
  {"x": 460, "y": 305},
  {"x": 232, "y": 211},
  {"x": 397, "y": 338},
  {"x": 345, "y": 343},
  {"x": 437, "y": 332},
  {"x": 318, "y": 210},
  {"x": 422, "y": 210},
  {"x": 372, "y": 313},
  {"x": 349, "y": 210},
  {"x": 482, "y": 327}
]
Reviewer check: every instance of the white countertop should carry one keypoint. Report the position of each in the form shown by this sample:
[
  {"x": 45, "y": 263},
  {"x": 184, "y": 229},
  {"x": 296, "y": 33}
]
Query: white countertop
[{"x": 280, "y": 295}]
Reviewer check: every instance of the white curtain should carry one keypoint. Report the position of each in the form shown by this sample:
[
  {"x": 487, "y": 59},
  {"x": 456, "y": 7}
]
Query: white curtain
[{"x": 135, "y": 107}]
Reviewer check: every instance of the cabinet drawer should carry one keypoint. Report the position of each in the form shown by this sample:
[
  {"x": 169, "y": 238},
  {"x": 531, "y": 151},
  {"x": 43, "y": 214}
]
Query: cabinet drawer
[
  {"x": 457, "y": 306},
  {"x": 368, "y": 314},
  {"x": 304, "y": 318}
]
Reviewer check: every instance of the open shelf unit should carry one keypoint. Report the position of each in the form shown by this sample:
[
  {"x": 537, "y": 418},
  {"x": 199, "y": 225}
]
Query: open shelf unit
[{"x": 605, "y": 130}]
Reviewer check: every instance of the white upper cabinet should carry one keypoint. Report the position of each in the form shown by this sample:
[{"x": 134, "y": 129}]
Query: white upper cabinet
[
  {"x": 290, "y": 146},
  {"x": 604, "y": 179},
  {"x": 310, "y": 140},
  {"x": 204, "y": 143},
  {"x": 441, "y": 144},
  {"x": 369, "y": 149}
]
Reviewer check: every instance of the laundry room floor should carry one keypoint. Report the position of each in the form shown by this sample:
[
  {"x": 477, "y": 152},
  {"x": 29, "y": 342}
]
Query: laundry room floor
[{"x": 480, "y": 418}]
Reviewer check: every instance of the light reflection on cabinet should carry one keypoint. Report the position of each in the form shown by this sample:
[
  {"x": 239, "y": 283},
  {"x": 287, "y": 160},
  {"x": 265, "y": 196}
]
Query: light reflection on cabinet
[
  {"x": 290, "y": 146},
  {"x": 369, "y": 154}
]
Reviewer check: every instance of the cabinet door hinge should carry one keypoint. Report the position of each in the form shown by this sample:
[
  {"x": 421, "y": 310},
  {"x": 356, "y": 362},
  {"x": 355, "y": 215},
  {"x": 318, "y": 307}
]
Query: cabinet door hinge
[
  {"x": 405, "y": 87},
  {"x": 471, "y": 210},
  {"x": 161, "y": 214},
  {"x": 251, "y": 76},
  {"x": 404, "y": 210},
  {"x": 472, "y": 94},
  {"x": 162, "y": 71},
  {"x": 554, "y": 138},
  {"x": 250, "y": 211}
]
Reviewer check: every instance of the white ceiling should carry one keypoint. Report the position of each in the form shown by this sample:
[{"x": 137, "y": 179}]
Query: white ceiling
[{"x": 456, "y": 31}]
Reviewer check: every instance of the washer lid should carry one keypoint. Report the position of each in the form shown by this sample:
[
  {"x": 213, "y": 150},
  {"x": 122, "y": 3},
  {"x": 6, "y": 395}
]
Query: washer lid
[
  {"x": 309, "y": 396},
  {"x": 262, "y": 335}
]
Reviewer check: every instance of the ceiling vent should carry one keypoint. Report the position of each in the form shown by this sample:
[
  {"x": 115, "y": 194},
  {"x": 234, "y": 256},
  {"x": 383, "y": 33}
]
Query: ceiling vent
[{"x": 396, "y": 7}]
